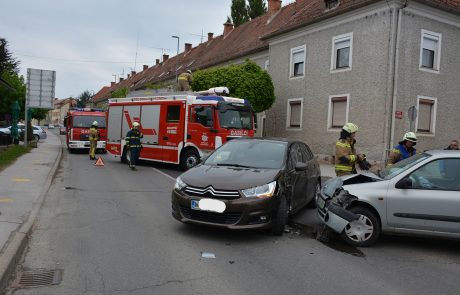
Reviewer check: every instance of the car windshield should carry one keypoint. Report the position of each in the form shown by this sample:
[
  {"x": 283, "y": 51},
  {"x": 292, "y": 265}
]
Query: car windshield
[
  {"x": 249, "y": 153},
  {"x": 87, "y": 121},
  {"x": 396, "y": 169},
  {"x": 235, "y": 118}
]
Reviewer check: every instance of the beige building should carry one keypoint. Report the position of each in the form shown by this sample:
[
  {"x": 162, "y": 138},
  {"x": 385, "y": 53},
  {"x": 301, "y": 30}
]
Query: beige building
[{"x": 61, "y": 107}]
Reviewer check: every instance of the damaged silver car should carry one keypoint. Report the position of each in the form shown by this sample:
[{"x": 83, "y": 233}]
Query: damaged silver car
[{"x": 417, "y": 196}]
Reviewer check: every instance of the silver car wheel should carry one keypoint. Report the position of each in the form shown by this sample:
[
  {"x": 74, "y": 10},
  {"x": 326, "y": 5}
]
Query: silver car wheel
[{"x": 360, "y": 230}]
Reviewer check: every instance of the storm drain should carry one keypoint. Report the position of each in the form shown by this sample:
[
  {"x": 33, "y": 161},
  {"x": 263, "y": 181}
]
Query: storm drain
[{"x": 38, "y": 278}]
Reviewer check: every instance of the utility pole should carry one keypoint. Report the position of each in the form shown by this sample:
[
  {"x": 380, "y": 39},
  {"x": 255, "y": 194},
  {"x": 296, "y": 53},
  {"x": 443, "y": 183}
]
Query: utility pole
[{"x": 176, "y": 37}]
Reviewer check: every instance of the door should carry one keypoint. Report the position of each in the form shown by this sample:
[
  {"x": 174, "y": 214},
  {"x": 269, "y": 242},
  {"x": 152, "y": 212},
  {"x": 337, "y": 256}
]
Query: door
[
  {"x": 172, "y": 130},
  {"x": 312, "y": 172},
  {"x": 201, "y": 127},
  {"x": 297, "y": 179},
  {"x": 432, "y": 203}
]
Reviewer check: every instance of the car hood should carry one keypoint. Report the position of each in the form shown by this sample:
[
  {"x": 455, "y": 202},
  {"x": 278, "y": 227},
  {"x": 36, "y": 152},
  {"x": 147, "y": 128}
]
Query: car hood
[
  {"x": 332, "y": 185},
  {"x": 228, "y": 178}
]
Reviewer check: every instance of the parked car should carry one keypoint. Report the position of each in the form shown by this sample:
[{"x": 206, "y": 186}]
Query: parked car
[
  {"x": 248, "y": 183},
  {"x": 51, "y": 126},
  {"x": 62, "y": 130},
  {"x": 417, "y": 196},
  {"x": 39, "y": 132}
]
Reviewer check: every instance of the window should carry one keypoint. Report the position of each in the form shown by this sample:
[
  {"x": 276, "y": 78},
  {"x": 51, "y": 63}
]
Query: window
[
  {"x": 430, "y": 51},
  {"x": 442, "y": 174},
  {"x": 297, "y": 62},
  {"x": 295, "y": 156},
  {"x": 342, "y": 52},
  {"x": 331, "y": 4},
  {"x": 202, "y": 115},
  {"x": 426, "y": 116},
  {"x": 338, "y": 111},
  {"x": 294, "y": 113},
  {"x": 173, "y": 114}
]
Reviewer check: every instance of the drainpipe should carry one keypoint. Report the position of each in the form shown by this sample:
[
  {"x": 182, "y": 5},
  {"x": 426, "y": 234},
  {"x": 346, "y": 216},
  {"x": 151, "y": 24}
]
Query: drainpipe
[{"x": 393, "y": 78}]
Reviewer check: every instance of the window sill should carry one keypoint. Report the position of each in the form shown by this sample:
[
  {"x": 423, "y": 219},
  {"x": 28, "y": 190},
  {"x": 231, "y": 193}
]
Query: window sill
[
  {"x": 296, "y": 77},
  {"x": 429, "y": 70},
  {"x": 425, "y": 134},
  {"x": 288, "y": 128},
  {"x": 333, "y": 71}
]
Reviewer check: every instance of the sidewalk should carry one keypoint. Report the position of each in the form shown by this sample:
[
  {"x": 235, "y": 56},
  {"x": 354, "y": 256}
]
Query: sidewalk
[{"x": 23, "y": 187}]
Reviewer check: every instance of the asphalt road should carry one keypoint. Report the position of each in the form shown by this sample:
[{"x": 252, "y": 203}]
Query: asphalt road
[{"x": 111, "y": 231}]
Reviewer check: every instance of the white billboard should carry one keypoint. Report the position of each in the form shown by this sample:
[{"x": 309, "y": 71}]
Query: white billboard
[{"x": 40, "y": 88}]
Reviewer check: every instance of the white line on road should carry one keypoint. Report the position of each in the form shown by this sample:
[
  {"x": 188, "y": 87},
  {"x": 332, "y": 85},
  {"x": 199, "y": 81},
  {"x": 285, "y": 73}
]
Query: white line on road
[{"x": 169, "y": 176}]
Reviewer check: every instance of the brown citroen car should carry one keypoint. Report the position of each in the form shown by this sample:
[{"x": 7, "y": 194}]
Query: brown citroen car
[{"x": 248, "y": 183}]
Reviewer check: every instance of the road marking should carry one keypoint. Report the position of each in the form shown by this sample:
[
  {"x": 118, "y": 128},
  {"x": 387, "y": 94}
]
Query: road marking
[
  {"x": 161, "y": 172},
  {"x": 6, "y": 200},
  {"x": 21, "y": 179}
]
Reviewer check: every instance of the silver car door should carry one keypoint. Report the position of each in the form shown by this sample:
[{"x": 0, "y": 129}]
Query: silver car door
[{"x": 431, "y": 202}]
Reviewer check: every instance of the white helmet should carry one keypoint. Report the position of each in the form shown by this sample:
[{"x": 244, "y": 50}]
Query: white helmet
[
  {"x": 410, "y": 136},
  {"x": 350, "y": 128},
  {"x": 189, "y": 71},
  {"x": 94, "y": 123},
  {"x": 135, "y": 124}
]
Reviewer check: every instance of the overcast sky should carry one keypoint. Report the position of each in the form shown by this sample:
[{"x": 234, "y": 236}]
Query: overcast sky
[{"x": 88, "y": 41}]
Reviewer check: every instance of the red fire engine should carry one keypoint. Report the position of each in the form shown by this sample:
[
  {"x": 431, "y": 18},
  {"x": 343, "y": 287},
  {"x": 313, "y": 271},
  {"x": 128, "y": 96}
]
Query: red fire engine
[
  {"x": 181, "y": 128},
  {"x": 78, "y": 122}
]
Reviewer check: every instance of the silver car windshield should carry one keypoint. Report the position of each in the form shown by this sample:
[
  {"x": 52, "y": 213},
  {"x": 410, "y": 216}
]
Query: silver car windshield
[
  {"x": 398, "y": 168},
  {"x": 250, "y": 154}
]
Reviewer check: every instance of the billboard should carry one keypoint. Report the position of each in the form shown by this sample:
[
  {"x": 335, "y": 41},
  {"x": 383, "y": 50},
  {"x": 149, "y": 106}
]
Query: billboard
[{"x": 40, "y": 88}]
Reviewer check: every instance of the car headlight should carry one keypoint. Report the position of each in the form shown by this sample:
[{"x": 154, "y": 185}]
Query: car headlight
[
  {"x": 263, "y": 191},
  {"x": 179, "y": 184}
]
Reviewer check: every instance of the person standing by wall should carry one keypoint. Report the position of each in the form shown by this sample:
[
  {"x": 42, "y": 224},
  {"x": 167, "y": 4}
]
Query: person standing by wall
[
  {"x": 93, "y": 138},
  {"x": 345, "y": 153},
  {"x": 184, "y": 80},
  {"x": 404, "y": 149},
  {"x": 453, "y": 145},
  {"x": 133, "y": 143}
]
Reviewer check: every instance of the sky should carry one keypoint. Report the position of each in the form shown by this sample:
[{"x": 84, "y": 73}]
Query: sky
[{"x": 90, "y": 43}]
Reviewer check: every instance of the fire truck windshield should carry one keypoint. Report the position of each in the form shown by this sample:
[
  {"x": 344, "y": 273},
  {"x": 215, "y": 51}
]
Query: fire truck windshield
[
  {"x": 235, "y": 118},
  {"x": 86, "y": 121}
]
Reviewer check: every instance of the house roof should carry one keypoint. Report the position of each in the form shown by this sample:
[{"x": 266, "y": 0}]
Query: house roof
[
  {"x": 250, "y": 38},
  {"x": 101, "y": 95}
]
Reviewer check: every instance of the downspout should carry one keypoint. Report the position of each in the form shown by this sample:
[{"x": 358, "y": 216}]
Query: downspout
[{"x": 393, "y": 79}]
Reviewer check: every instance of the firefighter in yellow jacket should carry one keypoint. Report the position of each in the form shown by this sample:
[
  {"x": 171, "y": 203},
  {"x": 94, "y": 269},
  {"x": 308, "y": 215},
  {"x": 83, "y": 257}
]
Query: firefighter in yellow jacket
[
  {"x": 93, "y": 138},
  {"x": 345, "y": 153},
  {"x": 184, "y": 80}
]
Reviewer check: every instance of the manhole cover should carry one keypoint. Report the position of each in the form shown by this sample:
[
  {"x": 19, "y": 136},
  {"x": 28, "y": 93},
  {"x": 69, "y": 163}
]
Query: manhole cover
[{"x": 38, "y": 278}]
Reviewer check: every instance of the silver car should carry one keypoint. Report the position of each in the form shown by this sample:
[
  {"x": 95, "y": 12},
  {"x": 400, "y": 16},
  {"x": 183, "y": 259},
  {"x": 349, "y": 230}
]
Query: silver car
[{"x": 417, "y": 196}]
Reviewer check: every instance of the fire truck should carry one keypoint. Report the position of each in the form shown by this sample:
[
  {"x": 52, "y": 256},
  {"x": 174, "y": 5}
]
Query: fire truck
[
  {"x": 179, "y": 128},
  {"x": 78, "y": 121}
]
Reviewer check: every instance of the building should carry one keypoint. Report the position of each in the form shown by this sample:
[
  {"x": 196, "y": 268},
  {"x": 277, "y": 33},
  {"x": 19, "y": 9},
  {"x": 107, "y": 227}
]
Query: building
[{"x": 61, "y": 107}]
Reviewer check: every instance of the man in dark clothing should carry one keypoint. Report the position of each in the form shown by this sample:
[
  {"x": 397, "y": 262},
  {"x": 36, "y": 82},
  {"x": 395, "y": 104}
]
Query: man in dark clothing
[
  {"x": 133, "y": 142},
  {"x": 453, "y": 145}
]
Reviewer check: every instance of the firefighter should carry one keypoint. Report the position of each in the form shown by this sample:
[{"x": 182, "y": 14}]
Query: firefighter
[
  {"x": 93, "y": 138},
  {"x": 184, "y": 80},
  {"x": 404, "y": 149},
  {"x": 345, "y": 154},
  {"x": 133, "y": 143}
]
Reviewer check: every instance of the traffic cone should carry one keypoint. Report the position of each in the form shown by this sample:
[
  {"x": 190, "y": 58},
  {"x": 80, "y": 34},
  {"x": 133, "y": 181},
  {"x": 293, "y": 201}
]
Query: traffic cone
[{"x": 99, "y": 162}]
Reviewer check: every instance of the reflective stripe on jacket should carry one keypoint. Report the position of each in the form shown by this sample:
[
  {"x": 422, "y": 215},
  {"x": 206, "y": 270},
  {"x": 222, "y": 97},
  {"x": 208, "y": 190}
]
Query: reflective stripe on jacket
[
  {"x": 345, "y": 156},
  {"x": 133, "y": 138},
  {"x": 93, "y": 134},
  {"x": 399, "y": 153},
  {"x": 185, "y": 77}
]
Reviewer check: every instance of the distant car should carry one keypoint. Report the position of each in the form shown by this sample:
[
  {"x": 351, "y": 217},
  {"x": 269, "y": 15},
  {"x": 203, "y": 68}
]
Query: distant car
[
  {"x": 62, "y": 130},
  {"x": 39, "y": 132},
  {"x": 248, "y": 184},
  {"x": 417, "y": 196},
  {"x": 50, "y": 126}
]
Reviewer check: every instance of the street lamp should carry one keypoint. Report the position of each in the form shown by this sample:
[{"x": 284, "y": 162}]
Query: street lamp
[{"x": 177, "y": 37}]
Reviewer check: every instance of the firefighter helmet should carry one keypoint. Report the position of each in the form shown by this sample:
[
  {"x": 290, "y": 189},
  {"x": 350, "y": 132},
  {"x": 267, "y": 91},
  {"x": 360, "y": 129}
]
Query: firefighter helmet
[
  {"x": 350, "y": 127},
  {"x": 189, "y": 71},
  {"x": 94, "y": 123},
  {"x": 410, "y": 136},
  {"x": 135, "y": 124}
]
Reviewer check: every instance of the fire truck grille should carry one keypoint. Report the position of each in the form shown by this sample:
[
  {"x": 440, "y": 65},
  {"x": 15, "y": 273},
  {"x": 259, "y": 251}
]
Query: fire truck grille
[
  {"x": 210, "y": 192},
  {"x": 84, "y": 136},
  {"x": 220, "y": 218}
]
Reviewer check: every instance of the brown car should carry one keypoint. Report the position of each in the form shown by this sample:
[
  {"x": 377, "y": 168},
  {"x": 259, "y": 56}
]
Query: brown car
[{"x": 248, "y": 183}]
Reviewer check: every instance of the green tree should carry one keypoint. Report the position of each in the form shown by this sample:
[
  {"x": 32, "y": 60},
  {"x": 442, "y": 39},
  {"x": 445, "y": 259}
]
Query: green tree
[
  {"x": 120, "y": 93},
  {"x": 7, "y": 62},
  {"x": 39, "y": 114},
  {"x": 16, "y": 92},
  {"x": 239, "y": 12},
  {"x": 247, "y": 81},
  {"x": 256, "y": 8},
  {"x": 83, "y": 99}
]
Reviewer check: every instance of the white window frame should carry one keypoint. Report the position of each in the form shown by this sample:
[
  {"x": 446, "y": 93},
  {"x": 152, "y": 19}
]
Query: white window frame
[
  {"x": 433, "y": 116},
  {"x": 329, "y": 112},
  {"x": 288, "y": 115},
  {"x": 291, "y": 65},
  {"x": 437, "y": 55},
  {"x": 336, "y": 39}
]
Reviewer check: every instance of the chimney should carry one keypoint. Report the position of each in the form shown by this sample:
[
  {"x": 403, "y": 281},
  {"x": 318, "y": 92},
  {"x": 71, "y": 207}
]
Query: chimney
[
  {"x": 210, "y": 35},
  {"x": 121, "y": 79},
  {"x": 165, "y": 57},
  {"x": 112, "y": 83},
  {"x": 274, "y": 6},
  {"x": 145, "y": 67},
  {"x": 157, "y": 61},
  {"x": 228, "y": 27},
  {"x": 127, "y": 76},
  {"x": 133, "y": 73},
  {"x": 188, "y": 47}
]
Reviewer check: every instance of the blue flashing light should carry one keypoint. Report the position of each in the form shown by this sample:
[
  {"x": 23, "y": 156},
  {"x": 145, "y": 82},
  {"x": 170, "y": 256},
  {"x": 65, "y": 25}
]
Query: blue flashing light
[{"x": 215, "y": 98}]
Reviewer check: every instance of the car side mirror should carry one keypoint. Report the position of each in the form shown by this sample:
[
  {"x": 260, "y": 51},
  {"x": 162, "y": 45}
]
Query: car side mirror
[
  {"x": 299, "y": 166},
  {"x": 404, "y": 183}
]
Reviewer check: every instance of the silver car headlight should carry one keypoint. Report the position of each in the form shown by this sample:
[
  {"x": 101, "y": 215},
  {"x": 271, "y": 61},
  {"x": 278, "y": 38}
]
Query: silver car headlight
[
  {"x": 179, "y": 184},
  {"x": 263, "y": 191}
]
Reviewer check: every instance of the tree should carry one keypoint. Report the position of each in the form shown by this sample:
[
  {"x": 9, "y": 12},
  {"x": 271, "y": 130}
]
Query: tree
[
  {"x": 120, "y": 93},
  {"x": 256, "y": 8},
  {"x": 10, "y": 95},
  {"x": 7, "y": 62},
  {"x": 39, "y": 114},
  {"x": 247, "y": 81},
  {"x": 239, "y": 12},
  {"x": 83, "y": 99}
]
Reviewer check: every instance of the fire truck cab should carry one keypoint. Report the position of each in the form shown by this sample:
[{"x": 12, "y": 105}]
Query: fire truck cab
[
  {"x": 179, "y": 128},
  {"x": 78, "y": 121}
]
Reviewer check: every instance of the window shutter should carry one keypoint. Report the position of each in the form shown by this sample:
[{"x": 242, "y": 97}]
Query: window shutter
[
  {"x": 339, "y": 111},
  {"x": 430, "y": 43},
  {"x": 424, "y": 115},
  {"x": 298, "y": 57},
  {"x": 295, "y": 114}
]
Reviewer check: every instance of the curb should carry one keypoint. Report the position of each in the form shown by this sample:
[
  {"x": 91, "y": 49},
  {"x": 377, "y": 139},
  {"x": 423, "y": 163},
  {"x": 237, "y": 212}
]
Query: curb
[{"x": 14, "y": 250}]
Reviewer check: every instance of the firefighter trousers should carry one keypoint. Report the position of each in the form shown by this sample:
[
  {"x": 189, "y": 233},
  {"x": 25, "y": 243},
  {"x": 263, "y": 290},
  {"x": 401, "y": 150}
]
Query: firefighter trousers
[{"x": 92, "y": 149}]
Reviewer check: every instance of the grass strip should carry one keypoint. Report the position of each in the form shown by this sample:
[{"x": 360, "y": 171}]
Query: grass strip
[{"x": 9, "y": 154}]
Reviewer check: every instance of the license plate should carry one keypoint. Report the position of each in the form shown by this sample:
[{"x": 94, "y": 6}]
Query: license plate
[
  {"x": 320, "y": 202},
  {"x": 210, "y": 205}
]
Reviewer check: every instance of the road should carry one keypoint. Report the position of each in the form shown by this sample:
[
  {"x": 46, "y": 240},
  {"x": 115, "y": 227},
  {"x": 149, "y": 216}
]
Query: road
[{"x": 111, "y": 231}]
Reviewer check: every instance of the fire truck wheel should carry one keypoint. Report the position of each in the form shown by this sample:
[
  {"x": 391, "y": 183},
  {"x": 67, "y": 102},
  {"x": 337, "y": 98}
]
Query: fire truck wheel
[{"x": 189, "y": 159}]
